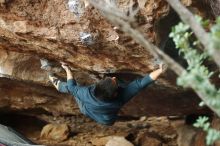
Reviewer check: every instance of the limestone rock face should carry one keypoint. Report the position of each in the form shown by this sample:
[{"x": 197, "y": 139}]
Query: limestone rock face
[{"x": 30, "y": 30}]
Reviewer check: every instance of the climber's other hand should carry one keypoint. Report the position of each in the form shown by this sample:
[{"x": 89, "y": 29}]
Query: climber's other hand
[{"x": 64, "y": 66}]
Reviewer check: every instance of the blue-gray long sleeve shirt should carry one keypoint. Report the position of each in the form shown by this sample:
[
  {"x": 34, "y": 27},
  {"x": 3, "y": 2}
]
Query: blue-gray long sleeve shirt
[{"x": 105, "y": 112}]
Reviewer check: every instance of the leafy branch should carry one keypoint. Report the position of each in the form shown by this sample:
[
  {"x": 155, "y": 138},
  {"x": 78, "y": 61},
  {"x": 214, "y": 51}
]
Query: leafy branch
[
  {"x": 197, "y": 75},
  {"x": 188, "y": 18},
  {"x": 212, "y": 134}
]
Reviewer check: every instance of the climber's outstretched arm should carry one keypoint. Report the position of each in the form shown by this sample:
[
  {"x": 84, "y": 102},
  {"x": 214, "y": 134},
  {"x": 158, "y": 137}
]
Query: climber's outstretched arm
[
  {"x": 155, "y": 74},
  {"x": 69, "y": 75},
  {"x": 71, "y": 83}
]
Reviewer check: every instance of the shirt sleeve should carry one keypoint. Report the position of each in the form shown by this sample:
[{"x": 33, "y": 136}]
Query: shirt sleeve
[
  {"x": 79, "y": 92},
  {"x": 135, "y": 87},
  {"x": 72, "y": 86}
]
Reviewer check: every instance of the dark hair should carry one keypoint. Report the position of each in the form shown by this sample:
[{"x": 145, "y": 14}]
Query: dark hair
[{"x": 105, "y": 89}]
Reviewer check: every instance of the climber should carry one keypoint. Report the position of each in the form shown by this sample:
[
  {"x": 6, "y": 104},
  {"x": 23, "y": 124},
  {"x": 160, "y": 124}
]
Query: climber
[{"x": 103, "y": 100}]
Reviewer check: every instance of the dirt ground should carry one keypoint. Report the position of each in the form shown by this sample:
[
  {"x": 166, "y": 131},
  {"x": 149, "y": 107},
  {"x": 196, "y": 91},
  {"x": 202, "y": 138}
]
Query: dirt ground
[{"x": 144, "y": 131}]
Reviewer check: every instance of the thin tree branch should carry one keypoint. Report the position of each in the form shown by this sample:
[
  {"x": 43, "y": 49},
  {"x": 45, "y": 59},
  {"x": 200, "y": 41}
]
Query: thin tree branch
[
  {"x": 201, "y": 34},
  {"x": 137, "y": 36},
  {"x": 109, "y": 10}
]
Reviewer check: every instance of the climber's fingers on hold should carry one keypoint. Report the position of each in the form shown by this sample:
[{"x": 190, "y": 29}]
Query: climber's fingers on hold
[{"x": 163, "y": 67}]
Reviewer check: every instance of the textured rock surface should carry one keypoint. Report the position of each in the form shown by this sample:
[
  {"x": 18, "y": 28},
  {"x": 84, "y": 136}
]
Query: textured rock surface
[
  {"x": 150, "y": 141},
  {"x": 30, "y": 30},
  {"x": 118, "y": 141},
  {"x": 189, "y": 135},
  {"x": 32, "y": 84}
]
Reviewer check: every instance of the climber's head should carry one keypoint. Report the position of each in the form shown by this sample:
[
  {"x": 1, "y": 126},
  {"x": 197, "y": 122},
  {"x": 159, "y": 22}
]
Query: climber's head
[{"x": 106, "y": 89}]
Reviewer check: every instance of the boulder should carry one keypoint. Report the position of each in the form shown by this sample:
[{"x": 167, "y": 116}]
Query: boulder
[
  {"x": 101, "y": 141},
  {"x": 118, "y": 141},
  {"x": 55, "y": 132}
]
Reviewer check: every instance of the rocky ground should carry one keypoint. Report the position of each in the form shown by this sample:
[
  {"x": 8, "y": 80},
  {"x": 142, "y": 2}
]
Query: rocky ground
[
  {"x": 72, "y": 131},
  {"x": 81, "y": 131}
]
